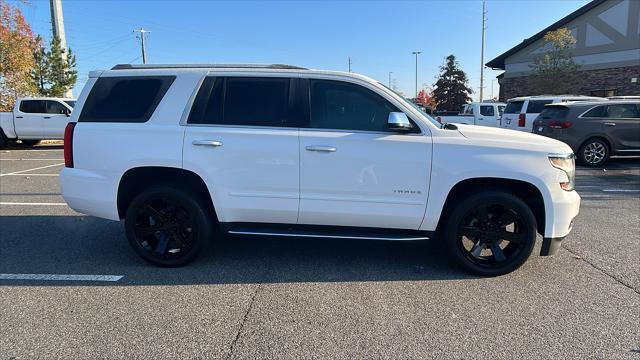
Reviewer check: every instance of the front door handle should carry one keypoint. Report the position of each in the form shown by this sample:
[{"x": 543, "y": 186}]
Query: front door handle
[
  {"x": 47, "y": 117},
  {"x": 321, "y": 148},
  {"x": 212, "y": 143},
  {"x": 18, "y": 117},
  {"x": 610, "y": 124}
]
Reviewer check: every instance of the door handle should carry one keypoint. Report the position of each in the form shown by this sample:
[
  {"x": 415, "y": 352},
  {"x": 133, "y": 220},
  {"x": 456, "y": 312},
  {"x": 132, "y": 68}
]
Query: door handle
[
  {"x": 212, "y": 143},
  {"x": 18, "y": 117},
  {"x": 321, "y": 148},
  {"x": 47, "y": 117},
  {"x": 480, "y": 119},
  {"x": 610, "y": 124}
]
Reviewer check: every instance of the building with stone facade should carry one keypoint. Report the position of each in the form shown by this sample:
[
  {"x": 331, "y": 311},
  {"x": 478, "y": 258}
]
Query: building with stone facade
[{"x": 607, "y": 48}]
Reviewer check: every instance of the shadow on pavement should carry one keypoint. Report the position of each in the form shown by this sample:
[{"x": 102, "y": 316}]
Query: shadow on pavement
[{"x": 92, "y": 246}]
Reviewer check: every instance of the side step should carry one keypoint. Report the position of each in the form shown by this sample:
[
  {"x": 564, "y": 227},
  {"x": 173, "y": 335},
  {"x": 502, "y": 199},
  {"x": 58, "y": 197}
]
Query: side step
[{"x": 328, "y": 232}]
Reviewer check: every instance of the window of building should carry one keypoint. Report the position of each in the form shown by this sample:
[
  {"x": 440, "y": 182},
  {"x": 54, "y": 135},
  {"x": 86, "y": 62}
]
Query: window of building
[{"x": 604, "y": 92}]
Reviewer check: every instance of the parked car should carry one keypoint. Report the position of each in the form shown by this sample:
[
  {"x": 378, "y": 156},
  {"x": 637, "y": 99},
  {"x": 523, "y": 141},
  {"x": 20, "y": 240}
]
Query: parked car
[
  {"x": 274, "y": 150},
  {"x": 34, "y": 119},
  {"x": 476, "y": 113},
  {"x": 521, "y": 111},
  {"x": 594, "y": 130}
]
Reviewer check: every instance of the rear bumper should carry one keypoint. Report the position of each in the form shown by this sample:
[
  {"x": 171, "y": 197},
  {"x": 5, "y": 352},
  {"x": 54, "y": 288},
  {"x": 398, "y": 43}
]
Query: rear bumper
[{"x": 89, "y": 193}]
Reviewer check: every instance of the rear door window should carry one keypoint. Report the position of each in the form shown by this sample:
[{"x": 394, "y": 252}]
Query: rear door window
[
  {"x": 124, "y": 99},
  {"x": 513, "y": 107},
  {"x": 487, "y": 110},
  {"x": 536, "y": 106},
  {"x": 32, "y": 106}
]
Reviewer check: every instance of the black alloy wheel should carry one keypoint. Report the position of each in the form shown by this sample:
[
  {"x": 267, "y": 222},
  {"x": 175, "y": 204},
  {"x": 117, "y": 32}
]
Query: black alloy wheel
[
  {"x": 491, "y": 233},
  {"x": 167, "y": 226}
]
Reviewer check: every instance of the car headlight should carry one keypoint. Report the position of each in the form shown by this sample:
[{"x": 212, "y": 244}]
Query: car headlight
[{"x": 566, "y": 163}]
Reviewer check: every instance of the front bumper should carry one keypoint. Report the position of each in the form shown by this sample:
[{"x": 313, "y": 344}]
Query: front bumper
[
  {"x": 565, "y": 208},
  {"x": 550, "y": 246}
]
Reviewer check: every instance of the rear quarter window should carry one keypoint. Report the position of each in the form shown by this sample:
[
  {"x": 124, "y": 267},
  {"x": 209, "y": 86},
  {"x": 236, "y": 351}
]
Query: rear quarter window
[
  {"x": 513, "y": 107},
  {"x": 536, "y": 106},
  {"x": 124, "y": 99}
]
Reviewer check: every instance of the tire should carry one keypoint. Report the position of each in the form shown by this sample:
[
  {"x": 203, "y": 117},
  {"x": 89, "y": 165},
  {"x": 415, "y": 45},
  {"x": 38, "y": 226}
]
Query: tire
[
  {"x": 168, "y": 226},
  {"x": 477, "y": 230},
  {"x": 4, "y": 141},
  {"x": 594, "y": 152},
  {"x": 30, "y": 142}
]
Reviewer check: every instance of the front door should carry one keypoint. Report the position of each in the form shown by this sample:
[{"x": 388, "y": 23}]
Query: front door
[
  {"x": 240, "y": 141},
  {"x": 622, "y": 125},
  {"x": 353, "y": 170}
]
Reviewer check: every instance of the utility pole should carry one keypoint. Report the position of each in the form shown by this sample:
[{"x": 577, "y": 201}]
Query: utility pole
[
  {"x": 416, "y": 53},
  {"x": 57, "y": 29},
  {"x": 390, "y": 72},
  {"x": 484, "y": 27},
  {"x": 144, "y": 52},
  {"x": 349, "y": 63}
]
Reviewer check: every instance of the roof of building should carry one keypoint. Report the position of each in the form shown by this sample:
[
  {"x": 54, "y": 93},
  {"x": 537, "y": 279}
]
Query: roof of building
[{"x": 498, "y": 62}]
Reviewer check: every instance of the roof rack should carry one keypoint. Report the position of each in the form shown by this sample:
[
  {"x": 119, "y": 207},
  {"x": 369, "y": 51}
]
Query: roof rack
[{"x": 206, "y": 66}]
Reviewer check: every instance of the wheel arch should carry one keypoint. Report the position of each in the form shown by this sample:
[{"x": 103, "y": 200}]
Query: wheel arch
[
  {"x": 134, "y": 180},
  {"x": 526, "y": 191},
  {"x": 602, "y": 137}
]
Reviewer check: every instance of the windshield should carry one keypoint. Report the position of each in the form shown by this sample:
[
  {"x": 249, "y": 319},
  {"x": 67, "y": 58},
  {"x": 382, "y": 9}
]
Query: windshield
[{"x": 71, "y": 103}]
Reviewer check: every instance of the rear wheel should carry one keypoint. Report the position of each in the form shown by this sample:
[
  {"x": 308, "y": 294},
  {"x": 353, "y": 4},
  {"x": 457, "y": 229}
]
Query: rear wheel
[
  {"x": 30, "y": 142},
  {"x": 168, "y": 226},
  {"x": 491, "y": 233},
  {"x": 594, "y": 152}
]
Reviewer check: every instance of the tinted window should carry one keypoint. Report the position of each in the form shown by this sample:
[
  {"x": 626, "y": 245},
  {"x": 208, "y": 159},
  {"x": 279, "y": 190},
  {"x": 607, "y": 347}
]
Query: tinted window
[
  {"x": 487, "y": 110},
  {"x": 622, "y": 111},
  {"x": 513, "y": 107},
  {"x": 32, "y": 106},
  {"x": 598, "y": 111},
  {"x": 124, "y": 99},
  {"x": 554, "y": 112},
  {"x": 71, "y": 103},
  {"x": 345, "y": 106},
  {"x": 242, "y": 101},
  {"x": 536, "y": 106},
  {"x": 54, "y": 107}
]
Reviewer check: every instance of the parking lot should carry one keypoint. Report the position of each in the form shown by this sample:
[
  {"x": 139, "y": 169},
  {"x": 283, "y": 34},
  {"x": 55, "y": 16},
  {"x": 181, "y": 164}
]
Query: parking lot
[{"x": 300, "y": 298}]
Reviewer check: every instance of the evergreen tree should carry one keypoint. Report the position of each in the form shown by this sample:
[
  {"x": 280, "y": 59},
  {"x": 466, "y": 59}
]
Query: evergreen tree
[
  {"x": 40, "y": 67},
  {"x": 54, "y": 71},
  {"x": 452, "y": 90}
]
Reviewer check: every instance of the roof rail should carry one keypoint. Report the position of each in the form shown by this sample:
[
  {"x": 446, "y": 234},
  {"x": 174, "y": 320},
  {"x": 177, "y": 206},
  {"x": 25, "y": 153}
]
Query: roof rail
[{"x": 206, "y": 66}]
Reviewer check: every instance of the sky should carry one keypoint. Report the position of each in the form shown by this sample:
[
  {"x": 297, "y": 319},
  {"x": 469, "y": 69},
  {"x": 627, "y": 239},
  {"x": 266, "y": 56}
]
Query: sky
[{"x": 378, "y": 36}]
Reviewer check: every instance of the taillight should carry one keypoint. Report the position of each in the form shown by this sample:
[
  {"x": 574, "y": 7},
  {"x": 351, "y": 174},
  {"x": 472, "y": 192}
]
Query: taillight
[
  {"x": 522, "y": 120},
  {"x": 555, "y": 124},
  {"x": 68, "y": 144}
]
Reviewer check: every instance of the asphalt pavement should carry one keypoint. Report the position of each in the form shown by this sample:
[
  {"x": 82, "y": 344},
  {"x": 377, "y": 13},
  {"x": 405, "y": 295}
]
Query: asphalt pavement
[{"x": 254, "y": 298}]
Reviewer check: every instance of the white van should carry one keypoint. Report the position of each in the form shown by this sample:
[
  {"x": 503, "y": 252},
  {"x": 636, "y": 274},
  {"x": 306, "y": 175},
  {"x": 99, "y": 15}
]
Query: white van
[{"x": 521, "y": 111}]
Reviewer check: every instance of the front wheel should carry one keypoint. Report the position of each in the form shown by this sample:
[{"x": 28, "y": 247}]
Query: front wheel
[
  {"x": 168, "y": 226},
  {"x": 594, "y": 153},
  {"x": 490, "y": 233}
]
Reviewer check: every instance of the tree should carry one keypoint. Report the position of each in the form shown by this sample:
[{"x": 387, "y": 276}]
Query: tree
[
  {"x": 16, "y": 56},
  {"x": 54, "y": 70},
  {"x": 425, "y": 99},
  {"x": 555, "y": 72},
  {"x": 452, "y": 90}
]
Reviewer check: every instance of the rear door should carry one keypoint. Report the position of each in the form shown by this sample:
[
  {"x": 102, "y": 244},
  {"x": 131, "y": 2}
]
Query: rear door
[
  {"x": 243, "y": 140},
  {"x": 353, "y": 170},
  {"x": 487, "y": 116},
  {"x": 28, "y": 119},
  {"x": 534, "y": 108},
  {"x": 55, "y": 120},
  {"x": 622, "y": 125},
  {"x": 511, "y": 112}
]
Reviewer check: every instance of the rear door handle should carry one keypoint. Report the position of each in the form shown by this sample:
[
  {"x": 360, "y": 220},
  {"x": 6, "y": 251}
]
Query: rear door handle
[
  {"x": 610, "y": 124},
  {"x": 47, "y": 117},
  {"x": 212, "y": 143},
  {"x": 18, "y": 117},
  {"x": 319, "y": 148}
]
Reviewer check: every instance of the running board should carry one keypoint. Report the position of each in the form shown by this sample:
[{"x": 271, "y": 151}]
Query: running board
[{"x": 330, "y": 232}]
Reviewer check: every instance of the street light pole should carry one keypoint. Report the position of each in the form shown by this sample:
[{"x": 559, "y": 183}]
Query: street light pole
[
  {"x": 416, "y": 53},
  {"x": 390, "y": 72}
]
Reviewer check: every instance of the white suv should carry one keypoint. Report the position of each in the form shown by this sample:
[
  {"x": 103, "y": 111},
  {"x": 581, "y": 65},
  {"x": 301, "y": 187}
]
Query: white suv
[
  {"x": 521, "y": 111},
  {"x": 275, "y": 150}
]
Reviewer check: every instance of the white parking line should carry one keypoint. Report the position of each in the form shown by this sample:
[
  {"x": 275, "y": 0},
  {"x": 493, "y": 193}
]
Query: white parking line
[
  {"x": 31, "y": 159},
  {"x": 24, "y": 171},
  {"x": 32, "y": 174},
  {"x": 620, "y": 190},
  {"x": 60, "y": 277},
  {"x": 31, "y": 204}
]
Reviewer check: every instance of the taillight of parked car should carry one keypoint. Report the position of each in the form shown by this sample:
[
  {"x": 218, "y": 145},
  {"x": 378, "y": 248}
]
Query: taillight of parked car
[
  {"x": 68, "y": 144},
  {"x": 522, "y": 120},
  {"x": 555, "y": 124}
]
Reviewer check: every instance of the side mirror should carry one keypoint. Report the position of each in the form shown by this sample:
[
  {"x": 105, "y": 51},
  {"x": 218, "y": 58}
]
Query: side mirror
[
  {"x": 67, "y": 113},
  {"x": 398, "y": 121}
]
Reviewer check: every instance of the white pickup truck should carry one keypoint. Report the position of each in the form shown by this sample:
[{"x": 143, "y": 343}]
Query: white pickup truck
[
  {"x": 34, "y": 119},
  {"x": 477, "y": 113},
  {"x": 178, "y": 151}
]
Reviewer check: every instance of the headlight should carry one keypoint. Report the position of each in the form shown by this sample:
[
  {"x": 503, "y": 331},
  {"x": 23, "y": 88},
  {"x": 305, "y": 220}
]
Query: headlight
[{"x": 566, "y": 163}]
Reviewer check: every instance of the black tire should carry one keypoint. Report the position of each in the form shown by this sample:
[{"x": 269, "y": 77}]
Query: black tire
[
  {"x": 481, "y": 224},
  {"x": 4, "y": 141},
  {"x": 30, "y": 142},
  {"x": 594, "y": 152},
  {"x": 168, "y": 226}
]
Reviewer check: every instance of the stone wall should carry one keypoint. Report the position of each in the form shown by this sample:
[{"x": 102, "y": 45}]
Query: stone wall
[{"x": 604, "y": 79}]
